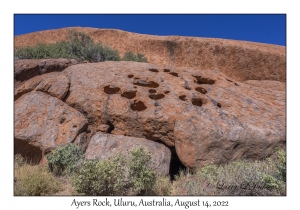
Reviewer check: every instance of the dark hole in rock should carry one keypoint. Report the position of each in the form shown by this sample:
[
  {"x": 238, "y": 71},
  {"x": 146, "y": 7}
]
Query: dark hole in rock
[
  {"x": 153, "y": 70},
  {"x": 62, "y": 120},
  {"x": 166, "y": 70},
  {"x": 136, "y": 78},
  {"x": 64, "y": 98},
  {"x": 201, "y": 90},
  {"x": 129, "y": 94},
  {"x": 111, "y": 89},
  {"x": 219, "y": 105},
  {"x": 152, "y": 91},
  {"x": 228, "y": 80},
  {"x": 157, "y": 96},
  {"x": 138, "y": 106},
  {"x": 202, "y": 80},
  {"x": 174, "y": 74},
  {"x": 182, "y": 97},
  {"x": 167, "y": 92},
  {"x": 236, "y": 84},
  {"x": 146, "y": 84},
  {"x": 74, "y": 126},
  {"x": 130, "y": 75},
  {"x": 175, "y": 165},
  {"x": 32, "y": 154},
  {"x": 111, "y": 126},
  {"x": 135, "y": 87},
  {"x": 235, "y": 146},
  {"x": 197, "y": 101}
]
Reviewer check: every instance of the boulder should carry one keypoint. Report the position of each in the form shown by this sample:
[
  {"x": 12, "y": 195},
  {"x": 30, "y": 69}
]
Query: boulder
[
  {"x": 103, "y": 146},
  {"x": 24, "y": 69},
  {"x": 43, "y": 122},
  {"x": 55, "y": 84},
  {"x": 206, "y": 115}
]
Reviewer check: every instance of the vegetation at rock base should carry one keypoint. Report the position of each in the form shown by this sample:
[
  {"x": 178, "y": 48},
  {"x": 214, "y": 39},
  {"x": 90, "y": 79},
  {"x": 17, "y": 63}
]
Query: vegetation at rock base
[
  {"x": 236, "y": 178},
  {"x": 79, "y": 46},
  {"x": 131, "y": 173},
  {"x": 34, "y": 180},
  {"x": 119, "y": 175},
  {"x": 64, "y": 159}
]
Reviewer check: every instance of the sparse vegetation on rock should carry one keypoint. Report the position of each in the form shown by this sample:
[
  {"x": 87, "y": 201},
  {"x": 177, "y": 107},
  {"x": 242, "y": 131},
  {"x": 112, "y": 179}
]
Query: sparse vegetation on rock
[
  {"x": 79, "y": 46},
  {"x": 130, "y": 56}
]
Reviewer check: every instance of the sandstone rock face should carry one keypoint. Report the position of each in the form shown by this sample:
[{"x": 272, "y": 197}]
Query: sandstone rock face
[
  {"x": 206, "y": 115},
  {"x": 54, "y": 84},
  {"x": 239, "y": 60},
  {"x": 43, "y": 122},
  {"x": 28, "y": 68},
  {"x": 103, "y": 146}
]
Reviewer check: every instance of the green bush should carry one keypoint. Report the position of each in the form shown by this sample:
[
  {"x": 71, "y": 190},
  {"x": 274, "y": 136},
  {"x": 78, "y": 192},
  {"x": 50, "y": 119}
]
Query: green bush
[
  {"x": 64, "y": 159},
  {"x": 78, "y": 46},
  {"x": 106, "y": 177},
  {"x": 130, "y": 56},
  {"x": 281, "y": 165},
  {"x": 142, "y": 176},
  {"x": 34, "y": 181},
  {"x": 124, "y": 174}
]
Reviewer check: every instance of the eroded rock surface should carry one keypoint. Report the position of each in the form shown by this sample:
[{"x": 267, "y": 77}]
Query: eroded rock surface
[
  {"x": 55, "y": 84},
  {"x": 240, "y": 60},
  {"x": 43, "y": 122},
  {"x": 103, "y": 146},
  {"x": 27, "y": 68},
  {"x": 206, "y": 115}
]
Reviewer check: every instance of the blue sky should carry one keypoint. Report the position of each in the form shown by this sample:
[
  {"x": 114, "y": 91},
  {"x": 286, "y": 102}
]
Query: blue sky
[{"x": 269, "y": 29}]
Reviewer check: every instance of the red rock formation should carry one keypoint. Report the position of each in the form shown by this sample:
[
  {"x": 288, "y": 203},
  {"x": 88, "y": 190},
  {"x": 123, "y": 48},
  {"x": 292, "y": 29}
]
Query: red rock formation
[
  {"x": 239, "y": 60},
  {"x": 43, "y": 122},
  {"x": 28, "y": 68},
  {"x": 55, "y": 84},
  {"x": 229, "y": 120},
  {"x": 210, "y": 99}
]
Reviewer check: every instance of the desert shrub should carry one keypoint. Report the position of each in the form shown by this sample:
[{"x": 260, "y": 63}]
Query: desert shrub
[
  {"x": 19, "y": 160},
  {"x": 78, "y": 46},
  {"x": 281, "y": 165},
  {"x": 130, "y": 56},
  {"x": 106, "y": 177},
  {"x": 64, "y": 159},
  {"x": 142, "y": 176},
  {"x": 163, "y": 186},
  {"x": 235, "y": 178},
  {"x": 124, "y": 174},
  {"x": 34, "y": 180}
]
